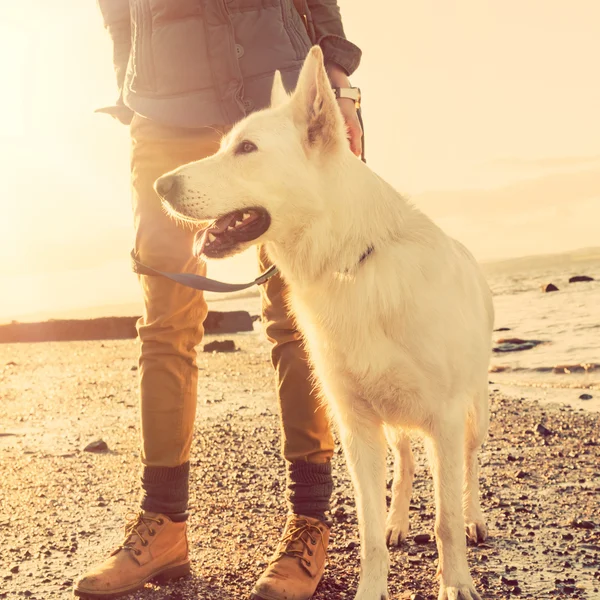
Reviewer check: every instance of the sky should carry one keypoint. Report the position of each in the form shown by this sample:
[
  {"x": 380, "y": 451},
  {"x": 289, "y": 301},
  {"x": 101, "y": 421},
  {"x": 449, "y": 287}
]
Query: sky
[{"x": 483, "y": 113}]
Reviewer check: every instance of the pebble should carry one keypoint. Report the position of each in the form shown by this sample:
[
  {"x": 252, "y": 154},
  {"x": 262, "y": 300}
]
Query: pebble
[
  {"x": 544, "y": 430},
  {"x": 582, "y": 524},
  {"x": 233, "y": 533},
  {"x": 96, "y": 446},
  {"x": 422, "y": 538},
  {"x": 585, "y": 397},
  {"x": 220, "y": 346}
]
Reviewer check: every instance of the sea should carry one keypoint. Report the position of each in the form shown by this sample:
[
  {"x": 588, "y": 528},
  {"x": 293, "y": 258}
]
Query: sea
[{"x": 565, "y": 366}]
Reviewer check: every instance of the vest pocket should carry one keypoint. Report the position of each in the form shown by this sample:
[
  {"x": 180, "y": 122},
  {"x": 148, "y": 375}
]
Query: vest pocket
[
  {"x": 292, "y": 23},
  {"x": 143, "y": 78}
]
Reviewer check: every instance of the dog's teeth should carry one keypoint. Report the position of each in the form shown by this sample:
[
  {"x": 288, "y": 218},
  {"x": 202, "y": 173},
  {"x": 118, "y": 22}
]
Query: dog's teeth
[
  {"x": 245, "y": 216},
  {"x": 211, "y": 237}
]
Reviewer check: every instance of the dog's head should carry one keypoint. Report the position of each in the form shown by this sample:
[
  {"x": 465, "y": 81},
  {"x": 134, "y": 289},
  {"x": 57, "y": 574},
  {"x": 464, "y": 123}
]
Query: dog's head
[{"x": 266, "y": 181}]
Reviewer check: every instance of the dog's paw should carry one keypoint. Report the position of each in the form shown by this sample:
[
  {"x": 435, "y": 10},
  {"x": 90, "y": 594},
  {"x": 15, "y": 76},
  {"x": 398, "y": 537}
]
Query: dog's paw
[
  {"x": 458, "y": 592},
  {"x": 367, "y": 592},
  {"x": 396, "y": 530},
  {"x": 477, "y": 531}
]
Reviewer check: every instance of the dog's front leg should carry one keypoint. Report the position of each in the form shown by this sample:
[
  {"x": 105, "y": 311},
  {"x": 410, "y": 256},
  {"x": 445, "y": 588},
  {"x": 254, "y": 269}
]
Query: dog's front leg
[
  {"x": 446, "y": 453},
  {"x": 365, "y": 447}
]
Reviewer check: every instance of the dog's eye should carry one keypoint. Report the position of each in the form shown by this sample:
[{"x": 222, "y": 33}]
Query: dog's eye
[{"x": 246, "y": 147}]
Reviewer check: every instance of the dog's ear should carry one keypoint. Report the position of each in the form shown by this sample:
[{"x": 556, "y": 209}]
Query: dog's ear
[
  {"x": 278, "y": 93},
  {"x": 315, "y": 108}
]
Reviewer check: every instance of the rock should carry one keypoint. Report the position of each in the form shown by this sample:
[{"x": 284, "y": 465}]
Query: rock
[
  {"x": 134, "y": 368},
  {"x": 585, "y": 397},
  {"x": 502, "y": 329},
  {"x": 220, "y": 346},
  {"x": 11, "y": 363},
  {"x": 107, "y": 328},
  {"x": 228, "y": 322},
  {"x": 515, "y": 344},
  {"x": 351, "y": 545},
  {"x": 549, "y": 287},
  {"x": 96, "y": 446},
  {"x": 14, "y": 569},
  {"x": 543, "y": 430},
  {"x": 577, "y": 278},
  {"x": 417, "y": 597},
  {"x": 522, "y": 475},
  {"x": 422, "y": 538}
]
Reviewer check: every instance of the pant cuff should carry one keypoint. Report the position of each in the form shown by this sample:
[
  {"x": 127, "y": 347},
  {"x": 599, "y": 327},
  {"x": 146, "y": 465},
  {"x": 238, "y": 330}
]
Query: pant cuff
[
  {"x": 309, "y": 488},
  {"x": 166, "y": 490}
]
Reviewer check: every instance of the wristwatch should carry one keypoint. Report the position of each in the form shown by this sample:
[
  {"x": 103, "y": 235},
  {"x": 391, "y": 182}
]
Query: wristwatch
[{"x": 348, "y": 92}]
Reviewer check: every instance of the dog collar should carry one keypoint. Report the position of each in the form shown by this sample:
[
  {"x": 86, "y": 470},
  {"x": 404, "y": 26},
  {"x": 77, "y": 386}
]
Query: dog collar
[{"x": 366, "y": 254}]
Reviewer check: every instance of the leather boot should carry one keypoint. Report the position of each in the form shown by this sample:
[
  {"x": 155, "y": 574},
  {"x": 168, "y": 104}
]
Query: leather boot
[
  {"x": 298, "y": 563},
  {"x": 155, "y": 548}
]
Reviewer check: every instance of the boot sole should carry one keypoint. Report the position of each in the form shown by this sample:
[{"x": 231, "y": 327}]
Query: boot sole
[{"x": 162, "y": 577}]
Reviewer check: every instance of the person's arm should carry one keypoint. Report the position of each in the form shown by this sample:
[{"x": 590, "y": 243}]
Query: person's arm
[
  {"x": 342, "y": 58},
  {"x": 116, "y": 17}
]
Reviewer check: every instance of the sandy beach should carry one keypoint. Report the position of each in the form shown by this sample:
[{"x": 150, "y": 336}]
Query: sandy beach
[{"x": 62, "y": 509}]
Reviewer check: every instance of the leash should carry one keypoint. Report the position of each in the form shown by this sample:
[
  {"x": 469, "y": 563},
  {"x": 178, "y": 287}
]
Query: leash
[{"x": 198, "y": 282}]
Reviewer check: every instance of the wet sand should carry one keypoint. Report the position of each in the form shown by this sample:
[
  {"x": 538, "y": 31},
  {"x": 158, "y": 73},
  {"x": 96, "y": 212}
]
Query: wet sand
[{"x": 62, "y": 509}]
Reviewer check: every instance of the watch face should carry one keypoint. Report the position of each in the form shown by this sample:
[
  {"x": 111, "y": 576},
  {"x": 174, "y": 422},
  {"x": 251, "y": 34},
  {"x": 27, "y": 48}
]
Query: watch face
[{"x": 352, "y": 93}]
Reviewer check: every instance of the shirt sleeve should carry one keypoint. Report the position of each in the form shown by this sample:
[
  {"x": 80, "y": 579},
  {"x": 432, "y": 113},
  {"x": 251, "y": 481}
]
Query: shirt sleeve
[{"x": 330, "y": 36}]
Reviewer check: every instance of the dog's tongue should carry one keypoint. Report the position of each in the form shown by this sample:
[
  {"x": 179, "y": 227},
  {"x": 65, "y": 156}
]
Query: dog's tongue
[{"x": 216, "y": 227}]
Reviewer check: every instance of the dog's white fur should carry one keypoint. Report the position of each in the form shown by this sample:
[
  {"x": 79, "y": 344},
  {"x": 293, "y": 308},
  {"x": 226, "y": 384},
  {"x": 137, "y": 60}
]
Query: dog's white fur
[{"x": 399, "y": 341}]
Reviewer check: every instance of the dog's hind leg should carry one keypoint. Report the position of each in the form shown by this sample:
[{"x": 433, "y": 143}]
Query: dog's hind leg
[
  {"x": 476, "y": 432},
  {"x": 404, "y": 469},
  {"x": 365, "y": 448},
  {"x": 447, "y": 457}
]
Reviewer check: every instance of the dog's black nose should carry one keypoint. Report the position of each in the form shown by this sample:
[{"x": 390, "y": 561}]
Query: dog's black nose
[{"x": 166, "y": 185}]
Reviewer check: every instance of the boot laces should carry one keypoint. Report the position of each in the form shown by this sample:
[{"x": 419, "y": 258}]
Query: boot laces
[
  {"x": 300, "y": 539},
  {"x": 132, "y": 532}
]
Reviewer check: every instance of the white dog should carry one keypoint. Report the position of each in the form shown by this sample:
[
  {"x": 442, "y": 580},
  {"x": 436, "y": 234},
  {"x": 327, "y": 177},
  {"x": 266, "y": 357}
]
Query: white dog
[{"x": 396, "y": 315}]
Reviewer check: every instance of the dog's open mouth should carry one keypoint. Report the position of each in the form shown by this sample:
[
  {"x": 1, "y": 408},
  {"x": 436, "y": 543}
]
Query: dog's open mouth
[{"x": 227, "y": 232}]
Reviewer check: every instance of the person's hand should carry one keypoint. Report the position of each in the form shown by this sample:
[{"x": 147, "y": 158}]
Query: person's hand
[{"x": 338, "y": 78}]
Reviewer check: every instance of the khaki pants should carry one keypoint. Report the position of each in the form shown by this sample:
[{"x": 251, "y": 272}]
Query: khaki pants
[{"x": 171, "y": 326}]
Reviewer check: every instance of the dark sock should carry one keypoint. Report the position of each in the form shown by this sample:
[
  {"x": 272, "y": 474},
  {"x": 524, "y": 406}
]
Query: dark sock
[
  {"x": 309, "y": 488},
  {"x": 165, "y": 490}
]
